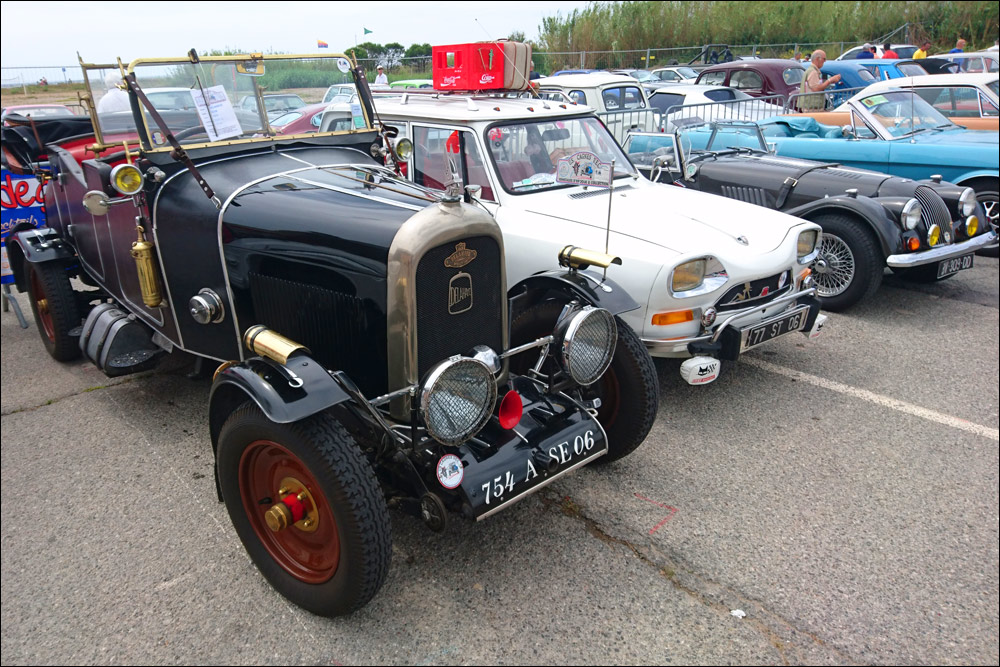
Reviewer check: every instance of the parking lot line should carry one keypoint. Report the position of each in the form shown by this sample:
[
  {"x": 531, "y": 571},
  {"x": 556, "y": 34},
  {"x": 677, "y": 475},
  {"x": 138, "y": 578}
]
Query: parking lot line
[{"x": 878, "y": 399}]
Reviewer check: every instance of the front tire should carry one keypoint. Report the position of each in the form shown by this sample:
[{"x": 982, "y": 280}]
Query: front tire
[
  {"x": 55, "y": 308},
  {"x": 991, "y": 204},
  {"x": 629, "y": 389},
  {"x": 334, "y": 565},
  {"x": 849, "y": 266}
]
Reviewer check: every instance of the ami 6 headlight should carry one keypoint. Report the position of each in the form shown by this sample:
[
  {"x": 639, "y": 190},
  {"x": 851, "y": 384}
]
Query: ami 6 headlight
[
  {"x": 910, "y": 217},
  {"x": 457, "y": 399},
  {"x": 967, "y": 202},
  {"x": 688, "y": 276},
  {"x": 807, "y": 244}
]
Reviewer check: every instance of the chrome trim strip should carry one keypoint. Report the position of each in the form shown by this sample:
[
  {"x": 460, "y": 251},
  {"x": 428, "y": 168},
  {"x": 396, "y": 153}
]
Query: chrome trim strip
[
  {"x": 941, "y": 252},
  {"x": 334, "y": 188}
]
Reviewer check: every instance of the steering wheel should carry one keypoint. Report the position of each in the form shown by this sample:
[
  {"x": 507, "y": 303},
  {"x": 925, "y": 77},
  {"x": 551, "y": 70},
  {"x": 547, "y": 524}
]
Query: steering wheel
[{"x": 190, "y": 132}]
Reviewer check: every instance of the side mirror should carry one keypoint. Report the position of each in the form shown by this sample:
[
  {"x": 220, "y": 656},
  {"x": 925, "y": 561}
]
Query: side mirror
[
  {"x": 847, "y": 132},
  {"x": 98, "y": 203}
]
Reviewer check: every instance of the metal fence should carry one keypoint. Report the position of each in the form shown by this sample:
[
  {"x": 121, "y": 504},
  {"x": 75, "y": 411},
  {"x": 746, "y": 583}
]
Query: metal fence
[
  {"x": 754, "y": 110},
  {"x": 825, "y": 101}
]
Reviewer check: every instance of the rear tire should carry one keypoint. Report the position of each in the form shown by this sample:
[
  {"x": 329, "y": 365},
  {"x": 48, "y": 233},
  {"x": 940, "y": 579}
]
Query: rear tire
[
  {"x": 54, "y": 305},
  {"x": 629, "y": 389},
  {"x": 849, "y": 266},
  {"x": 335, "y": 566}
]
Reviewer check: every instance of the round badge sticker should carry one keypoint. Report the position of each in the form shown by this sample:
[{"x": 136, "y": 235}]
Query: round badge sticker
[
  {"x": 450, "y": 471},
  {"x": 343, "y": 64}
]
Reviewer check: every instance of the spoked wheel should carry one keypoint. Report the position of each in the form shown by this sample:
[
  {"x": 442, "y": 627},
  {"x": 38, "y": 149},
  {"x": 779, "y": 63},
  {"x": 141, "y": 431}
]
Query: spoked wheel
[
  {"x": 56, "y": 312},
  {"x": 307, "y": 507},
  {"x": 848, "y": 268},
  {"x": 629, "y": 390},
  {"x": 991, "y": 203}
]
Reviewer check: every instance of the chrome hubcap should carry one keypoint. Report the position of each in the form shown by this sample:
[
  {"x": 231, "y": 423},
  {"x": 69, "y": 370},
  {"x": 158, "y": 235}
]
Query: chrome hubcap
[{"x": 834, "y": 269}]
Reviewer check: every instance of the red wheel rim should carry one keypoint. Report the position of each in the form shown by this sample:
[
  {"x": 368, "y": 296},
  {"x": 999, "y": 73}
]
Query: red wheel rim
[
  {"x": 42, "y": 306},
  {"x": 312, "y": 557}
]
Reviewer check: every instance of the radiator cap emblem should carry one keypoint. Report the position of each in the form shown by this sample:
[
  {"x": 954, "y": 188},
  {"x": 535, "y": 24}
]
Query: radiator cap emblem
[{"x": 460, "y": 257}]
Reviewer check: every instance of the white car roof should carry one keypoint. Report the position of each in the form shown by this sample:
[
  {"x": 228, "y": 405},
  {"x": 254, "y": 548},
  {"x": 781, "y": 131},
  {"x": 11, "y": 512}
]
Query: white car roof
[
  {"x": 471, "y": 109},
  {"x": 592, "y": 80},
  {"x": 936, "y": 80},
  {"x": 689, "y": 88},
  {"x": 968, "y": 54}
]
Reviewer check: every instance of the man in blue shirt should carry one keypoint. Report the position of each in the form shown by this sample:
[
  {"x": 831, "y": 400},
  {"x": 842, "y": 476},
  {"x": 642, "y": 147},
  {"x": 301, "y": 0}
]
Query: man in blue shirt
[
  {"x": 959, "y": 47},
  {"x": 866, "y": 52}
]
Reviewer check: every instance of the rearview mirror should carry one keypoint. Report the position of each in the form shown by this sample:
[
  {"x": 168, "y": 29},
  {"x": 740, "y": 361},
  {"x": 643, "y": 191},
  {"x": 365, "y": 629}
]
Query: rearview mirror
[
  {"x": 558, "y": 134},
  {"x": 250, "y": 68}
]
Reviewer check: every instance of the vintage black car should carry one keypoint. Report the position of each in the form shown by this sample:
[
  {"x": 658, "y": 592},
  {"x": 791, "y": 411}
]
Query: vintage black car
[
  {"x": 926, "y": 230},
  {"x": 359, "y": 323}
]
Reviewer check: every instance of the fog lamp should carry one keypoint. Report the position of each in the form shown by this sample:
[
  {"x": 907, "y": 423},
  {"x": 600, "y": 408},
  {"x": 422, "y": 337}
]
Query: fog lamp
[
  {"x": 457, "y": 399},
  {"x": 933, "y": 235},
  {"x": 126, "y": 179},
  {"x": 971, "y": 225},
  {"x": 404, "y": 149},
  {"x": 587, "y": 340}
]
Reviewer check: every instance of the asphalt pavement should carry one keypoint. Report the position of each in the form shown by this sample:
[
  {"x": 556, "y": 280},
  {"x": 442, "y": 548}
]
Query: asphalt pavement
[{"x": 832, "y": 501}]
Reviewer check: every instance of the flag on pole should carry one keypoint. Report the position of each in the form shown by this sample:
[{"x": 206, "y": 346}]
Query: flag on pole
[
  {"x": 367, "y": 31},
  {"x": 320, "y": 44}
]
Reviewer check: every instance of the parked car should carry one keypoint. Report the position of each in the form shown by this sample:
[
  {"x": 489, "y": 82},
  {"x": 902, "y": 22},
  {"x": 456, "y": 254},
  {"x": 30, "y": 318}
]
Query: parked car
[
  {"x": 902, "y": 50},
  {"x": 893, "y": 69},
  {"x": 360, "y": 325},
  {"x": 275, "y": 104},
  {"x": 339, "y": 92},
  {"x": 928, "y": 230},
  {"x": 37, "y": 111},
  {"x": 675, "y": 74},
  {"x": 621, "y": 104},
  {"x": 703, "y": 102},
  {"x": 311, "y": 118},
  {"x": 969, "y": 100},
  {"x": 412, "y": 83},
  {"x": 974, "y": 61},
  {"x": 711, "y": 271},
  {"x": 564, "y": 72},
  {"x": 757, "y": 78},
  {"x": 898, "y": 133},
  {"x": 853, "y": 74}
]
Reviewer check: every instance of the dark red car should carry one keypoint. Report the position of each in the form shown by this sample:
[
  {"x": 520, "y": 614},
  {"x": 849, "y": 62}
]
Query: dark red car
[{"x": 758, "y": 78}]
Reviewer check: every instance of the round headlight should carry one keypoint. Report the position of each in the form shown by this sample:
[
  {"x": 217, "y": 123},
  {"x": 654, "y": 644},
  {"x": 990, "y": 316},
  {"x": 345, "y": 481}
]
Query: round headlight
[
  {"x": 587, "y": 343},
  {"x": 910, "y": 217},
  {"x": 967, "y": 202},
  {"x": 807, "y": 243},
  {"x": 126, "y": 179},
  {"x": 933, "y": 235},
  {"x": 457, "y": 399},
  {"x": 404, "y": 149}
]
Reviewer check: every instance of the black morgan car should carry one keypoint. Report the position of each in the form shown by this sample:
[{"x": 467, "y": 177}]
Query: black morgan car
[
  {"x": 359, "y": 325},
  {"x": 926, "y": 230}
]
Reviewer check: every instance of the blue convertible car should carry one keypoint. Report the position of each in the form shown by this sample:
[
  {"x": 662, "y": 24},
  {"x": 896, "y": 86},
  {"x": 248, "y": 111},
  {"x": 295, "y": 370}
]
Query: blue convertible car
[{"x": 898, "y": 133}]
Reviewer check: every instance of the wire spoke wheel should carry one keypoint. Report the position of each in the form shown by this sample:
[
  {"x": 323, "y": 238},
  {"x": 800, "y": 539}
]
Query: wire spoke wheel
[{"x": 835, "y": 268}]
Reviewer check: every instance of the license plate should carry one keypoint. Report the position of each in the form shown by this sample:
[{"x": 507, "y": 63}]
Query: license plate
[
  {"x": 946, "y": 267},
  {"x": 785, "y": 324}
]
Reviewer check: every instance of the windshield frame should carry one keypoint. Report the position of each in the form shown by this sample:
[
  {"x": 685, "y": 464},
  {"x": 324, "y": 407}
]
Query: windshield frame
[{"x": 621, "y": 159}]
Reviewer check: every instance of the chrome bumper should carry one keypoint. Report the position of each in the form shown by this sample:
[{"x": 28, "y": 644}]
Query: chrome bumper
[
  {"x": 941, "y": 252},
  {"x": 655, "y": 345}
]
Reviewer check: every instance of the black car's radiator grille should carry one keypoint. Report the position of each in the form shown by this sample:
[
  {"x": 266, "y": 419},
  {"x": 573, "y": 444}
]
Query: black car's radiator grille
[
  {"x": 755, "y": 292},
  {"x": 338, "y": 329},
  {"x": 750, "y": 195},
  {"x": 934, "y": 210},
  {"x": 459, "y": 306}
]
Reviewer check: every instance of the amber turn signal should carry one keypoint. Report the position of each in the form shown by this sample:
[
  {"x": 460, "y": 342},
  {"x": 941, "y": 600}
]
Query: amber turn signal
[
  {"x": 913, "y": 244},
  {"x": 675, "y": 317}
]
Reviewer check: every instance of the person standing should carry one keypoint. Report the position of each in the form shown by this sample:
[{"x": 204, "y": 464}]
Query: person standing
[
  {"x": 959, "y": 46},
  {"x": 812, "y": 87},
  {"x": 888, "y": 53},
  {"x": 925, "y": 48},
  {"x": 381, "y": 78},
  {"x": 866, "y": 52}
]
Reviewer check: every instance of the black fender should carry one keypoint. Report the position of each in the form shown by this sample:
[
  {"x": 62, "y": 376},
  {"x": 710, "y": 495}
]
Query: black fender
[
  {"x": 275, "y": 390},
  {"x": 879, "y": 215},
  {"x": 589, "y": 287},
  {"x": 35, "y": 246}
]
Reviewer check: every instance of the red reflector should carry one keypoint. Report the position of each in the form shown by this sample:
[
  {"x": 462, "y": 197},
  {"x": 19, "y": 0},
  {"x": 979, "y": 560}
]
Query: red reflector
[{"x": 511, "y": 410}]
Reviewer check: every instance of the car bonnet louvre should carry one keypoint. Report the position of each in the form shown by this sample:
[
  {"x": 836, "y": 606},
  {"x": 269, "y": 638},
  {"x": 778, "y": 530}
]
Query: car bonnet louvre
[
  {"x": 745, "y": 194},
  {"x": 597, "y": 192}
]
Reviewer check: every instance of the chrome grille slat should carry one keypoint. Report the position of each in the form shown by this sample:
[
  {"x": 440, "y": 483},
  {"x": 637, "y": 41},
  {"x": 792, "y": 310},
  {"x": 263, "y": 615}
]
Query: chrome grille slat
[
  {"x": 598, "y": 192},
  {"x": 935, "y": 211}
]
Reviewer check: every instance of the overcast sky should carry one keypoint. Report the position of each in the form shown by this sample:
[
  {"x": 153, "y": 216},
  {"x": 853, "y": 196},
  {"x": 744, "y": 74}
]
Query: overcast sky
[{"x": 51, "y": 33}]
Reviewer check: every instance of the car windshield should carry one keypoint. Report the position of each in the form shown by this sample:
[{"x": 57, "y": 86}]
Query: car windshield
[
  {"x": 903, "y": 113},
  {"x": 687, "y": 72},
  {"x": 527, "y": 155},
  {"x": 994, "y": 85},
  {"x": 912, "y": 69},
  {"x": 215, "y": 99},
  {"x": 723, "y": 136}
]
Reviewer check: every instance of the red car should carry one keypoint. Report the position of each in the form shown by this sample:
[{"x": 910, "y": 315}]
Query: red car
[
  {"x": 310, "y": 118},
  {"x": 757, "y": 78}
]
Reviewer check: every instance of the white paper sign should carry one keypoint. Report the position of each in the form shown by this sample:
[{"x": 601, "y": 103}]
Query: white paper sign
[{"x": 217, "y": 115}]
